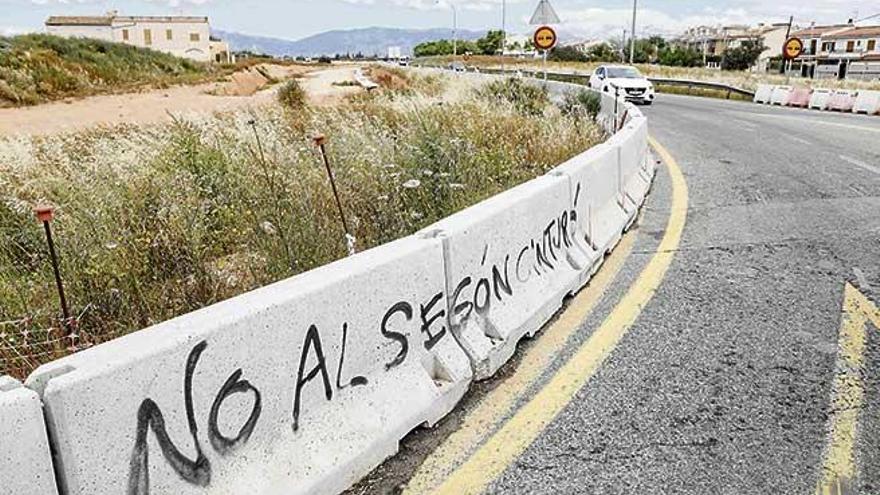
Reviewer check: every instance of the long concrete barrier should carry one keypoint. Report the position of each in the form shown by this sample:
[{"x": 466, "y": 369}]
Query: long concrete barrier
[
  {"x": 302, "y": 386},
  {"x": 508, "y": 267},
  {"x": 25, "y": 460},
  {"x": 867, "y": 102},
  {"x": 763, "y": 93}
]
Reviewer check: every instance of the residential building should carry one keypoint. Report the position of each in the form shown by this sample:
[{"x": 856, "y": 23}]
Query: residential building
[
  {"x": 183, "y": 36},
  {"x": 852, "y": 53},
  {"x": 713, "y": 41}
]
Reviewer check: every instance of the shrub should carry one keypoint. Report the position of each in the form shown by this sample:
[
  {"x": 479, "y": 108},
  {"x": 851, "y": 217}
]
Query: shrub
[
  {"x": 582, "y": 101},
  {"x": 526, "y": 98},
  {"x": 291, "y": 95},
  {"x": 567, "y": 54}
]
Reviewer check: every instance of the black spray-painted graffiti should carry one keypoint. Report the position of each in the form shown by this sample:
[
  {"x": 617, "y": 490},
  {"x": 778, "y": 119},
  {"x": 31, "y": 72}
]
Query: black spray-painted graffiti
[
  {"x": 195, "y": 471},
  {"x": 536, "y": 258}
]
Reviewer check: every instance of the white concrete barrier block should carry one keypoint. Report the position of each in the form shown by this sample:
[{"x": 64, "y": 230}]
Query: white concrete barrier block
[
  {"x": 819, "y": 98},
  {"x": 632, "y": 147},
  {"x": 596, "y": 181},
  {"x": 299, "y": 387},
  {"x": 25, "y": 459},
  {"x": 762, "y": 94},
  {"x": 510, "y": 260},
  {"x": 780, "y": 95},
  {"x": 867, "y": 102}
]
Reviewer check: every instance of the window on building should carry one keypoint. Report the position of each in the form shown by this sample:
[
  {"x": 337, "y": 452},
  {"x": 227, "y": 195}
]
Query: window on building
[
  {"x": 828, "y": 46},
  {"x": 125, "y": 35},
  {"x": 813, "y": 46},
  {"x": 850, "y": 46},
  {"x": 148, "y": 37},
  {"x": 194, "y": 37},
  {"x": 872, "y": 45},
  {"x": 169, "y": 34}
]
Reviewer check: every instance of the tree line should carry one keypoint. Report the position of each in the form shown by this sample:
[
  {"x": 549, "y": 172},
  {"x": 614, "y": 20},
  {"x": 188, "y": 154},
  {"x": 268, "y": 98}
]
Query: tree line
[{"x": 651, "y": 50}]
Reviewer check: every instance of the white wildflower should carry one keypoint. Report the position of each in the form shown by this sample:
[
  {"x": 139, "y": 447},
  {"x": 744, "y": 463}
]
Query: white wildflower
[
  {"x": 412, "y": 183},
  {"x": 268, "y": 228},
  {"x": 456, "y": 185}
]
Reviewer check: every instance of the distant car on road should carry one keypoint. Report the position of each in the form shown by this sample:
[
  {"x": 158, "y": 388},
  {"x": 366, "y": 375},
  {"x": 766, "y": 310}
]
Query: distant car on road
[
  {"x": 457, "y": 67},
  {"x": 624, "y": 78}
]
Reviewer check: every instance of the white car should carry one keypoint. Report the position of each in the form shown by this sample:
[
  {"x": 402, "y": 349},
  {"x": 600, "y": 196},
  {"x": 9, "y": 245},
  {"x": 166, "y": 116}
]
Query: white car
[{"x": 626, "y": 80}]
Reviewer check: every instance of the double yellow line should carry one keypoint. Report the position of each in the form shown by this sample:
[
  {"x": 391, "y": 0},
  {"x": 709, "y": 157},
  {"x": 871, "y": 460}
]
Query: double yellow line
[
  {"x": 848, "y": 392},
  {"x": 514, "y": 436}
]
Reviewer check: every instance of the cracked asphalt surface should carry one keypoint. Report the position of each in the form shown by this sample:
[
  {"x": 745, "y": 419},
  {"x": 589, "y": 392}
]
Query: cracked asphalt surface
[{"x": 723, "y": 384}]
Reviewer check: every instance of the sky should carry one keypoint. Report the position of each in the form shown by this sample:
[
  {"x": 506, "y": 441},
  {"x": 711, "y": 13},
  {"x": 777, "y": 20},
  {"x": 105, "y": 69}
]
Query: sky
[{"x": 294, "y": 19}]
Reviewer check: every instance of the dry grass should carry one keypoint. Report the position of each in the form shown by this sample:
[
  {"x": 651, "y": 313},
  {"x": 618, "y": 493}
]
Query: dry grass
[{"x": 156, "y": 221}]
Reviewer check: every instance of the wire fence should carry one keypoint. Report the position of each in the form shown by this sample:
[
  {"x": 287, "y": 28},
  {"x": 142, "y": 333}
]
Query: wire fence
[{"x": 24, "y": 347}]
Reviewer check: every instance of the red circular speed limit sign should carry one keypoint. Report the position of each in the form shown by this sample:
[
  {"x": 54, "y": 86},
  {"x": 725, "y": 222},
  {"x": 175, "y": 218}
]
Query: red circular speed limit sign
[
  {"x": 545, "y": 38},
  {"x": 793, "y": 48}
]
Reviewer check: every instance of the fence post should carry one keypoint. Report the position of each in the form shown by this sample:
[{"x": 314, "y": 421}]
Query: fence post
[{"x": 45, "y": 214}]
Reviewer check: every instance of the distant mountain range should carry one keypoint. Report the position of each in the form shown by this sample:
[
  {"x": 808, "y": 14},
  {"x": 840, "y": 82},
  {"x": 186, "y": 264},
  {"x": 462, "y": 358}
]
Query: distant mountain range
[{"x": 367, "y": 41}]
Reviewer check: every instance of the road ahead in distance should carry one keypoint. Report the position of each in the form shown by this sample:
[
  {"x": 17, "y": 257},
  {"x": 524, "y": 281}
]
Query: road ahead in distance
[{"x": 727, "y": 382}]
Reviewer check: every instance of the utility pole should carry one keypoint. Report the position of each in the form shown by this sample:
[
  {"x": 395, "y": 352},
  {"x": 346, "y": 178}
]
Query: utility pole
[
  {"x": 632, "y": 40},
  {"x": 454, "y": 30},
  {"x": 787, "y": 34},
  {"x": 503, "y": 31},
  {"x": 623, "y": 46}
]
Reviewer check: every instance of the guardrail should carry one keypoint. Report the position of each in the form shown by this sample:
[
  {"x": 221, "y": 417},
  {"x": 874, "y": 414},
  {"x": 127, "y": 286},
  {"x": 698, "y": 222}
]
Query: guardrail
[
  {"x": 580, "y": 78},
  {"x": 691, "y": 83}
]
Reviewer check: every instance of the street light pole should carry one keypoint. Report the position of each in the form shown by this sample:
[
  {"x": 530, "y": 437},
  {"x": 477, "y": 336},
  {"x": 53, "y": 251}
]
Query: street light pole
[
  {"x": 503, "y": 31},
  {"x": 454, "y": 30},
  {"x": 632, "y": 36}
]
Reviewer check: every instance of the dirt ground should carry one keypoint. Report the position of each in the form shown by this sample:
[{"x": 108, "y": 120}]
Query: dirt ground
[{"x": 158, "y": 105}]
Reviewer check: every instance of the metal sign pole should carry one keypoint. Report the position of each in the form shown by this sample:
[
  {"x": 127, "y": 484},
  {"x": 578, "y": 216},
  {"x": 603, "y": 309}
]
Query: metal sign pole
[{"x": 545, "y": 65}]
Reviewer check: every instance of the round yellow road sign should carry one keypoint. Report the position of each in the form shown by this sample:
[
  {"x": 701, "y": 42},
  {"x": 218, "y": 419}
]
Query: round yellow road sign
[
  {"x": 793, "y": 48},
  {"x": 545, "y": 38}
]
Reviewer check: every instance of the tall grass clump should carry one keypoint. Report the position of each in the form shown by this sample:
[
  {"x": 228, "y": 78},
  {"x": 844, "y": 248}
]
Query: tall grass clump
[
  {"x": 526, "y": 98},
  {"x": 156, "y": 221},
  {"x": 291, "y": 95},
  {"x": 583, "y": 102},
  {"x": 35, "y": 68}
]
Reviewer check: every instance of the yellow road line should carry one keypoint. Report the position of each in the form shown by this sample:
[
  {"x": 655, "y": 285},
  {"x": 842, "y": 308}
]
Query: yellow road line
[
  {"x": 498, "y": 403},
  {"x": 502, "y": 448},
  {"x": 839, "y": 467}
]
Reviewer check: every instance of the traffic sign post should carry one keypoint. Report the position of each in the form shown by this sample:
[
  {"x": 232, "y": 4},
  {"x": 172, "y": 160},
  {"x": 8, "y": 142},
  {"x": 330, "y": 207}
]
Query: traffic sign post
[
  {"x": 544, "y": 39},
  {"x": 791, "y": 50}
]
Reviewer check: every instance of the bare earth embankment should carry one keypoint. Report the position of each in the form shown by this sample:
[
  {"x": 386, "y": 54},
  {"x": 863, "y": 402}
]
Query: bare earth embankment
[{"x": 154, "y": 106}]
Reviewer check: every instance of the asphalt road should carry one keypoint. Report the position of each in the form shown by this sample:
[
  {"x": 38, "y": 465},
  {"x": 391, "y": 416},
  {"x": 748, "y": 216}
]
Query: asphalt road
[{"x": 724, "y": 383}]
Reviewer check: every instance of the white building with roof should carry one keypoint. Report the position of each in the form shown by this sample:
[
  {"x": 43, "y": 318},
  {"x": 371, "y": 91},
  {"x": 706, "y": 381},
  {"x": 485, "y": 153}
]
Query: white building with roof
[{"x": 183, "y": 36}]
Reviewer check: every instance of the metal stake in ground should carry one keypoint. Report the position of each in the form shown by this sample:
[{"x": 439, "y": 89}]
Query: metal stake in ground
[
  {"x": 45, "y": 214},
  {"x": 349, "y": 239}
]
